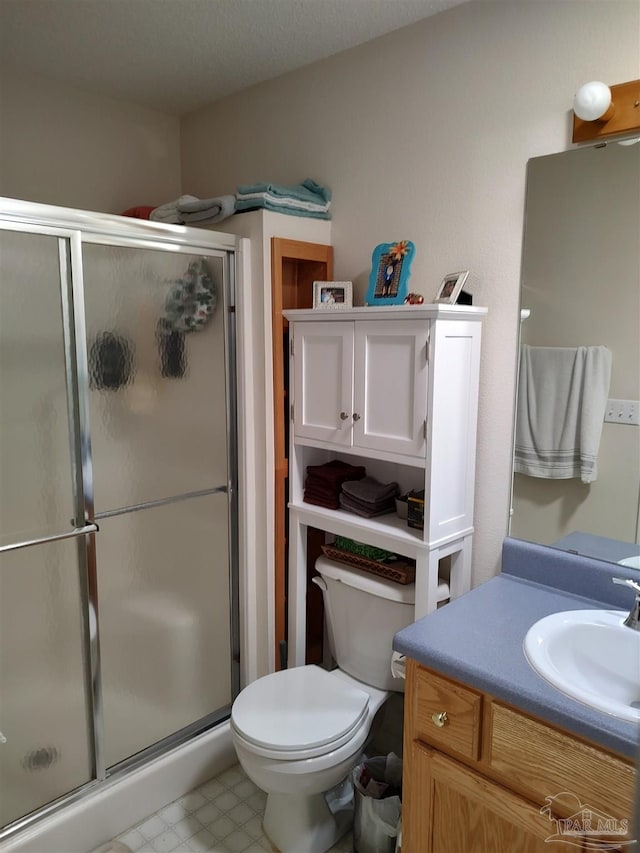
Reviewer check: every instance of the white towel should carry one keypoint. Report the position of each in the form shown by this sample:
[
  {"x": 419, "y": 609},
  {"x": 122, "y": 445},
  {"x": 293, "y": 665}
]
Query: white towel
[
  {"x": 169, "y": 212},
  {"x": 207, "y": 209},
  {"x": 562, "y": 397}
]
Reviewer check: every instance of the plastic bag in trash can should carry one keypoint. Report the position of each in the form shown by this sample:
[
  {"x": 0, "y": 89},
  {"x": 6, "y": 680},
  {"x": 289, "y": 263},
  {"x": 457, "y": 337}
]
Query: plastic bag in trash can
[{"x": 377, "y": 783}]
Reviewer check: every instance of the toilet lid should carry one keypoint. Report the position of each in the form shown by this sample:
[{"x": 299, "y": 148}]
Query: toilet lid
[{"x": 297, "y": 709}]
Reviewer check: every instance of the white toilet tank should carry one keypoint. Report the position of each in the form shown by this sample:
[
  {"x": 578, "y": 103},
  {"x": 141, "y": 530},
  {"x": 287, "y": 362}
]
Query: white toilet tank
[{"x": 363, "y": 612}]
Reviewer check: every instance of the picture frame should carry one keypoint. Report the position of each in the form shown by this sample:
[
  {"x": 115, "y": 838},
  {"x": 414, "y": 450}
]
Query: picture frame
[
  {"x": 451, "y": 286},
  {"x": 390, "y": 271},
  {"x": 332, "y": 295}
]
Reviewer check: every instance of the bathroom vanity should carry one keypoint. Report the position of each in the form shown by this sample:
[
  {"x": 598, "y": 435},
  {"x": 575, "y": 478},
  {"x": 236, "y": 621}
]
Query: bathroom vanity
[{"x": 495, "y": 758}]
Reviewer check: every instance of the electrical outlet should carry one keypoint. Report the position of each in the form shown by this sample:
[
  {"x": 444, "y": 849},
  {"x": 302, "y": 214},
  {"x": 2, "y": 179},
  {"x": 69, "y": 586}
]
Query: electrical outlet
[{"x": 622, "y": 412}]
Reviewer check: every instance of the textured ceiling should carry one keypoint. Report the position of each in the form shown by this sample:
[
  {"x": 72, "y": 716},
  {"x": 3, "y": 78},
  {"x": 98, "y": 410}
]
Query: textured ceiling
[{"x": 177, "y": 55}]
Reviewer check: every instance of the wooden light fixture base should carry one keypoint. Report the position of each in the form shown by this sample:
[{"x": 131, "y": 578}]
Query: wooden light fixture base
[{"x": 625, "y": 117}]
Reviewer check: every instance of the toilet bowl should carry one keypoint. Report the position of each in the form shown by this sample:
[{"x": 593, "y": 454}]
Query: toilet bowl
[
  {"x": 299, "y": 732},
  {"x": 307, "y": 729}
]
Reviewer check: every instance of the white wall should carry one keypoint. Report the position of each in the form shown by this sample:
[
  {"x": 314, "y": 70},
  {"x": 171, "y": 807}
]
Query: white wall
[
  {"x": 425, "y": 134},
  {"x": 64, "y": 146}
]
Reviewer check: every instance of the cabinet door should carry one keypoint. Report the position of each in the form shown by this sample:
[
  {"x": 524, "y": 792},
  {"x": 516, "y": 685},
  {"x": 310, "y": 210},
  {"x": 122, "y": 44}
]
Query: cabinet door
[
  {"x": 323, "y": 382},
  {"x": 451, "y": 809},
  {"x": 390, "y": 386}
]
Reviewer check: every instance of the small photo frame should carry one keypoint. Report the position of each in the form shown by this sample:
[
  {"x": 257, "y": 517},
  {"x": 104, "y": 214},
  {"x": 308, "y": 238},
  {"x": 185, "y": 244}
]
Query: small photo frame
[
  {"x": 451, "y": 286},
  {"x": 390, "y": 270},
  {"x": 332, "y": 294}
]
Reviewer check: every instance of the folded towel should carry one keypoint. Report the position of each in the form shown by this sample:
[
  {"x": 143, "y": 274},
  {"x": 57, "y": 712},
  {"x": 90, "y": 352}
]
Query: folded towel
[
  {"x": 285, "y": 201},
  {"x": 562, "y": 397},
  {"x": 327, "y": 504},
  {"x": 322, "y": 494},
  {"x": 335, "y": 472},
  {"x": 375, "y": 507},
  {"x": 169, "y": 212},
  {"x": 370, "y": 489},
  {"x": 308, "y": 190},
  {"x": 352, "y": 506},
  {"x": 142, "y": 211},
  {"x": 262, "y": 204},
  {"x": 207, "y": 210}
]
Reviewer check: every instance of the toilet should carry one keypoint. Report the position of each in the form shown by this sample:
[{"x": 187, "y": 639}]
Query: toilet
[{"x": 299, "y": 732}]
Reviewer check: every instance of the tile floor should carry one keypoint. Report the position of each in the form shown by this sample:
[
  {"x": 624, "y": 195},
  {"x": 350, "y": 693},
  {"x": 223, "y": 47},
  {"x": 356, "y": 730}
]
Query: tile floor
[{"x": 222, "y": 816}]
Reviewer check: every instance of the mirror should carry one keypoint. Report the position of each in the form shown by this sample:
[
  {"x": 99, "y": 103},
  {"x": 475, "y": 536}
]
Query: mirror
[{"x": 581, "y": 285}]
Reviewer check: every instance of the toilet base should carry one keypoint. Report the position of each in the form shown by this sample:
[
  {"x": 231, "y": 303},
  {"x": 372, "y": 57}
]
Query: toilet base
[{"x": 295, "y": 823}]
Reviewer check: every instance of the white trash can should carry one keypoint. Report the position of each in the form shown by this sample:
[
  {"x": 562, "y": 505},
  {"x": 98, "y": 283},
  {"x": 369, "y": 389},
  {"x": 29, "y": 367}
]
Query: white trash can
[{"x": 376, "y": 823}]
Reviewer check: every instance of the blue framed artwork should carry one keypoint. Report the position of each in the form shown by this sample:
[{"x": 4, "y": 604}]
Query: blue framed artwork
[{"x": 390, "y": 270}]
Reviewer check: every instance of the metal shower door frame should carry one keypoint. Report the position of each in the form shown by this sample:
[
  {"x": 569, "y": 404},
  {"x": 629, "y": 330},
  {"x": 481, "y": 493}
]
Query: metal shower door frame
[{"x": 74, "y": 229}]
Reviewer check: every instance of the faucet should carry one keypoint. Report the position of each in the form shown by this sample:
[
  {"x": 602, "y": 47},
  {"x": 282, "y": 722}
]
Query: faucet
[{"x": 633, "y": 619}]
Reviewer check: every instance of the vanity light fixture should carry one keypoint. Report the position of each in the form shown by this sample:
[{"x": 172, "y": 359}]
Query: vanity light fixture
[{"x": 600, "y": 112}]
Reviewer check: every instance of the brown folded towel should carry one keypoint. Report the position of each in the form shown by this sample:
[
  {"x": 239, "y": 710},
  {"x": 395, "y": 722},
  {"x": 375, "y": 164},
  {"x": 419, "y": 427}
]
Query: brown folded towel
[
  {"x": 336, "y": 472},
  {"x": 322, "y": 494},
  {"x": 326, "y": 503}
]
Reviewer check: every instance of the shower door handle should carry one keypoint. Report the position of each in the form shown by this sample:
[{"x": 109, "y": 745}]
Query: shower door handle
[{"x": 71, "y": 534}]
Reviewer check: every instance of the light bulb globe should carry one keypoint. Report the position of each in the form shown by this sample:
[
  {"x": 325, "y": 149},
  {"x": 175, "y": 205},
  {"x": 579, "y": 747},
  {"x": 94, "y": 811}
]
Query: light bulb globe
[{"x": 592, "y": 100}]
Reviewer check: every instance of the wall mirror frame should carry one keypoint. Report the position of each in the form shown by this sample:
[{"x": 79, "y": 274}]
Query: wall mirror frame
[{"x": 581, "y": 287}]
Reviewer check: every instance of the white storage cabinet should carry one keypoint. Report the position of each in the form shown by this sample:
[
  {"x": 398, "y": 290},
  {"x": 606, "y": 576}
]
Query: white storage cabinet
[{"x": 396, "y": 390}]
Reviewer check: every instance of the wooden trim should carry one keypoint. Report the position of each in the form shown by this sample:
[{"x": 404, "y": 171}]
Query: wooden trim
[
  {"x": 625, "y": 98},
  {"x": 282, "y": 250}
]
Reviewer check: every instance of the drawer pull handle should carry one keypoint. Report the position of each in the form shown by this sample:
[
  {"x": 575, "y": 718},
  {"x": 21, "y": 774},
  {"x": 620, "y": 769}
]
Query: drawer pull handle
[
  {"x": 440, "y": 719},
  {"x": 356, "y": 416},
  {"x": 343, "y": 416}
]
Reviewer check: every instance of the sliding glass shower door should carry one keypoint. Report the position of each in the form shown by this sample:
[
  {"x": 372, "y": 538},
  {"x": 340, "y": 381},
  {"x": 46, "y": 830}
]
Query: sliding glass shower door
[
  {"x": 45, "y": 711},
  {"x": 159, "y": 441},
  {"x": 118, "y": 517}
]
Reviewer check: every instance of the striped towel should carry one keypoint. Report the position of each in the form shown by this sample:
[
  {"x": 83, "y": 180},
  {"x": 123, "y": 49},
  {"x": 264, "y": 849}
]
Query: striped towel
[
  {"x": 562, "y": 397},
  {"x": 308, "y": 191}
]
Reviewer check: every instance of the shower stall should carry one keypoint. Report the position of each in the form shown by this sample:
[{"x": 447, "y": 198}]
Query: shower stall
[{"x": 119, "y": 632}]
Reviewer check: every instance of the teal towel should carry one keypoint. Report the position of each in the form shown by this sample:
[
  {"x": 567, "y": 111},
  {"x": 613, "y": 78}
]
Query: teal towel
[
  {"x": 308, "y": 190},
  {"x": 261, "y": 204}
]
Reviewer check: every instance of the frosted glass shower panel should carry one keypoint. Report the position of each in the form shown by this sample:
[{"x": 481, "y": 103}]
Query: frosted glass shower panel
[
  {"x": 156, "y": 351},
  {"x": 43, "y": 705},
  {"x": 36, "y": 486},
  {"x": 164, "y": 620}
]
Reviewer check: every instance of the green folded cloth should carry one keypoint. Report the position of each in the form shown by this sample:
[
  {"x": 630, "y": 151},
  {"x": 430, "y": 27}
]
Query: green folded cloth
[{"x": 368, "y": 551}]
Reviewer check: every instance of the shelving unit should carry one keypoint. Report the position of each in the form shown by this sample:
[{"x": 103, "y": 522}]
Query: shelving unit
[{"x": 394, "y": 389}]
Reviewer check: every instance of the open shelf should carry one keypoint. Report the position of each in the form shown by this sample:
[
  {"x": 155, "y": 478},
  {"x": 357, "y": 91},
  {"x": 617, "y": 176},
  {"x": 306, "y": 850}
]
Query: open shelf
[{"x": 386, "y": 531}]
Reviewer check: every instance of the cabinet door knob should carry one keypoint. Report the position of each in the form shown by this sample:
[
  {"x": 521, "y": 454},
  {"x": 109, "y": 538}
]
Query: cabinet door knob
[
  {"x": 356, "y": 416},
  {"x": 440, "y": 719},
  {"x": 343, "y": 416}
]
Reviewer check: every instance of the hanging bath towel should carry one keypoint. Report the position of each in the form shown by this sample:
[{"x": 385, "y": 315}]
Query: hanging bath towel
[{"x": 562, "y": 397}]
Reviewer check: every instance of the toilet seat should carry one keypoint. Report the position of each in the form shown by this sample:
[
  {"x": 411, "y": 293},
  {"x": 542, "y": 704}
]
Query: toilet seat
[{"x": 299, "y": 713}]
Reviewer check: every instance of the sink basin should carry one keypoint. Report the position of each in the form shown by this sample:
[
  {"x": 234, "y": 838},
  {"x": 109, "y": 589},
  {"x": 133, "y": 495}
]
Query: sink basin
[
  {"x": 631, "y": 562},
  {"x": 591, "y": 656}
]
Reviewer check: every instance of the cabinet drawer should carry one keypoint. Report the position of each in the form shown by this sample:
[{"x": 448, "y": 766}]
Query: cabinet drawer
[
  {"x": 541, "y": 761},
  {"x": 459, "y": 732}
]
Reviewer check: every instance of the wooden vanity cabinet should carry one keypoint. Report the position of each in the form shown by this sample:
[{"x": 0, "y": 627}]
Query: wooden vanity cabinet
[{"x": 488, "y": 778}]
